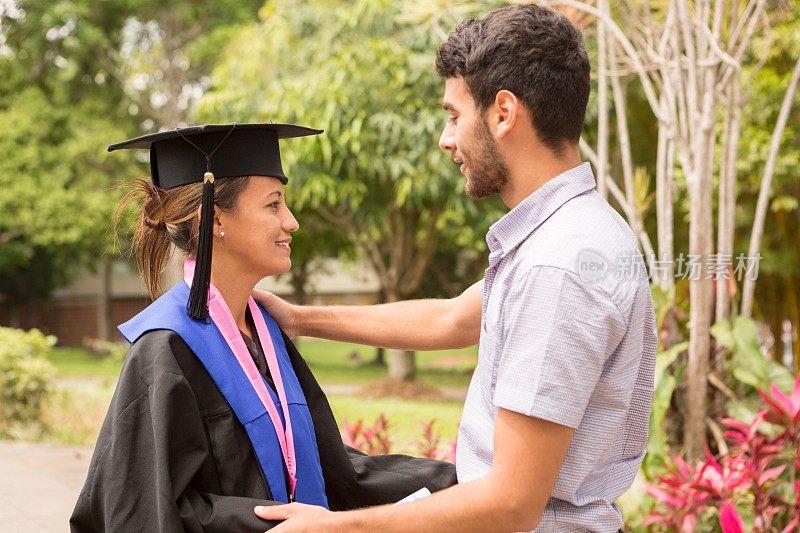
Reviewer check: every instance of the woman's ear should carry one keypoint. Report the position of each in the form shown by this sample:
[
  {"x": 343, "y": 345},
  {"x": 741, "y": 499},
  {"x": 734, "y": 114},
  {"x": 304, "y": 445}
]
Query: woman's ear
[
  {"x": 217, "y": 223},
  {"x": 218, "y": 215}
]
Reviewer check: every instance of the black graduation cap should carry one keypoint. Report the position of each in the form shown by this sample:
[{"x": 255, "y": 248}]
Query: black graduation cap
[{"x": 204, "y": 153}]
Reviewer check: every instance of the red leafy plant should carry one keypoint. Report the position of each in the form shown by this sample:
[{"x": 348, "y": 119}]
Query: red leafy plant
[
  {"x": 752, "y": 487},
  {"x": 376, "y": 439},
  {"x": 429, "y": 444},
  {"x": 371, "y": 440}
]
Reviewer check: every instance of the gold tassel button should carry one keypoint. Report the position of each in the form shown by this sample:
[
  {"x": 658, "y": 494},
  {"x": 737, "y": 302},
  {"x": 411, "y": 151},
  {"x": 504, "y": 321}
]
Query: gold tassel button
[{"x": 208, "y": 177}]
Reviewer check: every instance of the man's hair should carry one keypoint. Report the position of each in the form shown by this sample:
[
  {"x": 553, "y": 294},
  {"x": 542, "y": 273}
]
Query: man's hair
[{"x": 532, "y": 51}]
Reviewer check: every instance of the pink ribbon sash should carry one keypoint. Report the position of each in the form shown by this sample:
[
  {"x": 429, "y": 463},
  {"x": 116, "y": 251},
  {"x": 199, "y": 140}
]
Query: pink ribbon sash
[{"x": 223, "y": 318}]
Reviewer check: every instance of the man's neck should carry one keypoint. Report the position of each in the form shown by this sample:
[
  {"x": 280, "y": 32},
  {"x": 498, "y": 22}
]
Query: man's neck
[{"x": 529, "y": 171}]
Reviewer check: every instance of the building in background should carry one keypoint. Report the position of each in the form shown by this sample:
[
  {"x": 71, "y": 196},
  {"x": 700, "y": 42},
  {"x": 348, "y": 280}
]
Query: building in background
[{"x": 80, "y": 311}]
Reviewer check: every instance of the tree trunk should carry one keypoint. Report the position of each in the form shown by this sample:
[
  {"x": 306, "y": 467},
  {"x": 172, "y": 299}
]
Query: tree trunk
[
  {"x": 104, "y": 300},
  {"x": 299, "y": 281},
  {"x": 766, "y": 184},
  {"x": 700, "y": 288},
  {"x": 380, "y": 357},
  {"x": 380, "y": 352},
  {"x": 664, "y": 272},
  {"x": 602, "y": 104},
  {"x": 727, "y": 200},
  {"x": 402, "y": 365}
]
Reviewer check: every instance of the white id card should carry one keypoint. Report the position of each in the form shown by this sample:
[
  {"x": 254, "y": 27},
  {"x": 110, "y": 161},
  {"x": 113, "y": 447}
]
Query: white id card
[{"x": 421, "y": 493}]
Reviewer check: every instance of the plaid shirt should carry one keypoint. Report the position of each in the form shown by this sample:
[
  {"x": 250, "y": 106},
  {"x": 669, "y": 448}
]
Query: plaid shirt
[{"x": 568, "y": 335}]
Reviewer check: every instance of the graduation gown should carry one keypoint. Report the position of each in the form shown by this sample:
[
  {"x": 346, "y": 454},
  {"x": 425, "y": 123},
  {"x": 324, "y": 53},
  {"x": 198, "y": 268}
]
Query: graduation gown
[{"x": 172, "y": 456}]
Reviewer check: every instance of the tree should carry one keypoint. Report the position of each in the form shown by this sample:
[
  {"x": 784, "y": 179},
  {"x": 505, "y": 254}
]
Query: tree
[
  {"x": 777, "y": 297},
  {"x": 54, "y": 211},
  {"x": 364, "y": 73},
  {"x": 77, "y": 75}
]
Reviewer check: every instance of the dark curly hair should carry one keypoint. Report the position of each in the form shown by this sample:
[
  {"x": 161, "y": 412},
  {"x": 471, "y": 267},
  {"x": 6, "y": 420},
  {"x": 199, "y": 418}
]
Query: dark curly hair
[{"x": 532, "y": 51}]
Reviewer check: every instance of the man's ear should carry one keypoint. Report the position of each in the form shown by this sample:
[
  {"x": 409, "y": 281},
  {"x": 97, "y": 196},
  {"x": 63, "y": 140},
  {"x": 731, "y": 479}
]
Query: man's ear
[{"x": 507, "y": 111}]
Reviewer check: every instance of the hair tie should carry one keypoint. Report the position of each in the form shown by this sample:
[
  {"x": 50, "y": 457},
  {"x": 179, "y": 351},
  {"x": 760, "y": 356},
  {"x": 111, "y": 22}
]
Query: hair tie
[{"x": 154, "y": 224}]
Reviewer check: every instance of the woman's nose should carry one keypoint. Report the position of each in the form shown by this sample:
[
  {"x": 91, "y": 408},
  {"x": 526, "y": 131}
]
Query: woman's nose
[{"x": 290, "y": 223}]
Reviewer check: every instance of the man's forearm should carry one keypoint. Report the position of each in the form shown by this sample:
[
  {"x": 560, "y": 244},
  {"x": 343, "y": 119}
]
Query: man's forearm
[
  {"x": 409, "y": 325},
  {"x": 511, "y": 497},
  {"x": 475, "y": 506}
]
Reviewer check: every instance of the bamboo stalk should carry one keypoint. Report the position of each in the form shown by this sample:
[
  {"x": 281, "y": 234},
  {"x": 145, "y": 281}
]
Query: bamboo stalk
[
  {"x": 766, "y": 184},
  {"x": 602, "y": 103},
  {"x": 664, "y": 163},
  {"x": 727, "y": 191}
]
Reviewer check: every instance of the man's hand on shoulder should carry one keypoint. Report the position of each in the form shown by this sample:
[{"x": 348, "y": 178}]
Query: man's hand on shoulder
[{"x": 282, "y": 311}]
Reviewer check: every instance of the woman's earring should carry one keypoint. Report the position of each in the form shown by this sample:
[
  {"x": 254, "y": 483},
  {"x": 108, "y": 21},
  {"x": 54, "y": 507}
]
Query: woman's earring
[{"x": 221, "y": 233}]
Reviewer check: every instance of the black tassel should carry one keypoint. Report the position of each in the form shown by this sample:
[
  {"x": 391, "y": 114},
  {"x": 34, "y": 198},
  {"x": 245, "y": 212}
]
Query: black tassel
[{"x": 198, "y": 296}]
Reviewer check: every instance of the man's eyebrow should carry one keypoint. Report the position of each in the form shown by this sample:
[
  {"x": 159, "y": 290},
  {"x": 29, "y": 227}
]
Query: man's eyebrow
[{"x": 448, "y": 106}]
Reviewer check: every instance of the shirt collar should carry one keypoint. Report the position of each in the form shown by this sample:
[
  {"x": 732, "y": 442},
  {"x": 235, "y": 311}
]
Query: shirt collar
[{"x": 516, "y": 225}]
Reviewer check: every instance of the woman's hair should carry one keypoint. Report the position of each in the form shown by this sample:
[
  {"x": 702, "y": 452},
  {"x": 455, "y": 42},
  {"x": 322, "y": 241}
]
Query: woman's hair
[{"x": 170, "y": 217}]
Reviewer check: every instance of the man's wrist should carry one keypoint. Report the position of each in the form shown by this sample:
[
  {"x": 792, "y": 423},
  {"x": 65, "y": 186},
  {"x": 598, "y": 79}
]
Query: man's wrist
[
  {"x": 338, "y": 522},
  {"x": 298, "y": 312}
]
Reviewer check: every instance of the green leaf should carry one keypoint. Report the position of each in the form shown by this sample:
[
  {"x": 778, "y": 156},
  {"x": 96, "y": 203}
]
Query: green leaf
[{"x": 784, "y": 203}]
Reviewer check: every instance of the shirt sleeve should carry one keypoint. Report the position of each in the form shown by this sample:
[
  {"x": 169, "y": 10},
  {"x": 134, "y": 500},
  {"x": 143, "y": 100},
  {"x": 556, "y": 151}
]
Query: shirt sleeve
[{"x": 559, "y": 332}]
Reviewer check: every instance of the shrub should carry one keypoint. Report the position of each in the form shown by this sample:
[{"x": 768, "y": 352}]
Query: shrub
[
  {"x": 754, "y": 485},
  {"x": 25, "y": 376},
  {"x": 372, "y": 440},
  {"x": 376, "y": 439}
]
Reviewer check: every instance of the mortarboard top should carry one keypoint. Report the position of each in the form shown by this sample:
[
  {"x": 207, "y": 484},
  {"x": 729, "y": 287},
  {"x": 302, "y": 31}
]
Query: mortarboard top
[
  {"x": 248, "y": 150},
  {"x": 201, "y": 154}
]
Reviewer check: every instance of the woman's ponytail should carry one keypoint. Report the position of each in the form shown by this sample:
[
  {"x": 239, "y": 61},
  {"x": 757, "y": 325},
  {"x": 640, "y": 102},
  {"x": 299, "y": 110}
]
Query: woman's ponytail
[{"x": 151, "y": 242}]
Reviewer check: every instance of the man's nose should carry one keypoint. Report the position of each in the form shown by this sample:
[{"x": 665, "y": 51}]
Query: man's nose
[{"x": 447, "y": 140}]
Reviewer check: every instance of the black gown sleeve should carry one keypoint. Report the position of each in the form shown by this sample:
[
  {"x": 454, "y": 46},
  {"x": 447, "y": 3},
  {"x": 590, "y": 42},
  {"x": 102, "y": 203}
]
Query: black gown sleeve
[
  {"x": 152, "y": 446},
  {"x": 353, "y": 479}
]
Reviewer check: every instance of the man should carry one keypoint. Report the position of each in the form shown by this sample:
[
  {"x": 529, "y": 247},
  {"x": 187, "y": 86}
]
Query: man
[{"x": 555, "y": 421}]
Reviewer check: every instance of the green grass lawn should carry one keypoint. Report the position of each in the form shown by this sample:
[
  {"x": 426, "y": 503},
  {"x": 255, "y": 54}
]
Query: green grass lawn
[
  {"x": 79, "y": 363},
  {"x": 331, "y": 362},
  {"x": 86, "y": 382},
  {"x": 339, "y": 362}
]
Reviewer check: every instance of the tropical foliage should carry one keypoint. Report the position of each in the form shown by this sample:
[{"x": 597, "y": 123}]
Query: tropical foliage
[{"x": 753, "y": 485}]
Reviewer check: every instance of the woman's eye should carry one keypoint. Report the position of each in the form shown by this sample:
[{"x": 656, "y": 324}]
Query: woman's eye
[{"x": 274, "y": 205}]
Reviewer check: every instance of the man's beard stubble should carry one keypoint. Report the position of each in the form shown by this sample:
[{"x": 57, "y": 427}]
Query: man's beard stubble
[{"x": 488, "y": 170}]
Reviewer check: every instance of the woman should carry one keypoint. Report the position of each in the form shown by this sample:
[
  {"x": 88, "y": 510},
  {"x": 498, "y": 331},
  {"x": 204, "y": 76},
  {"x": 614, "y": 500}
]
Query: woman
[{"x": 215, "y": 412}]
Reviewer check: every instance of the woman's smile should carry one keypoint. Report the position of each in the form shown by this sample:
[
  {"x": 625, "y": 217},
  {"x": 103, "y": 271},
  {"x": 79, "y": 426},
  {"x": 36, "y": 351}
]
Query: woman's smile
[{"x": 284, "y": 245}]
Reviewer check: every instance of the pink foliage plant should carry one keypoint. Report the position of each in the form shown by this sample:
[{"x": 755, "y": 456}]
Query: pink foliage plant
[
  {"x": 752, "y": 487},
  {"x": 376, "y": 439}
]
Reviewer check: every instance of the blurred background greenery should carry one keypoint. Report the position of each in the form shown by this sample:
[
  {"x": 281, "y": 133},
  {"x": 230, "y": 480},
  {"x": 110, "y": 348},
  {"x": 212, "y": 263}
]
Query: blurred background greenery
[{"x": 76, "y": 75}]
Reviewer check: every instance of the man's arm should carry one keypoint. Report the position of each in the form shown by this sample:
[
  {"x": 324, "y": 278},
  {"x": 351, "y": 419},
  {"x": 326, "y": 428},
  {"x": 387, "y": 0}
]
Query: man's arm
[
  {"x": 433, "y": 324},
  {"x": 512, "y": 497}
]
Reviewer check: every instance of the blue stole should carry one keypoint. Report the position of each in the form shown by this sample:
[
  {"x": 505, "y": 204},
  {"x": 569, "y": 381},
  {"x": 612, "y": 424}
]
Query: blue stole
[{"x": 206, "y": 341}]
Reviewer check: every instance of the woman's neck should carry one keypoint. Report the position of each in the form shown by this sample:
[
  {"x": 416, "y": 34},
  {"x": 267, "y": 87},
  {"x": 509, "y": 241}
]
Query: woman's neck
[{"x": 235, "y": 290}]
